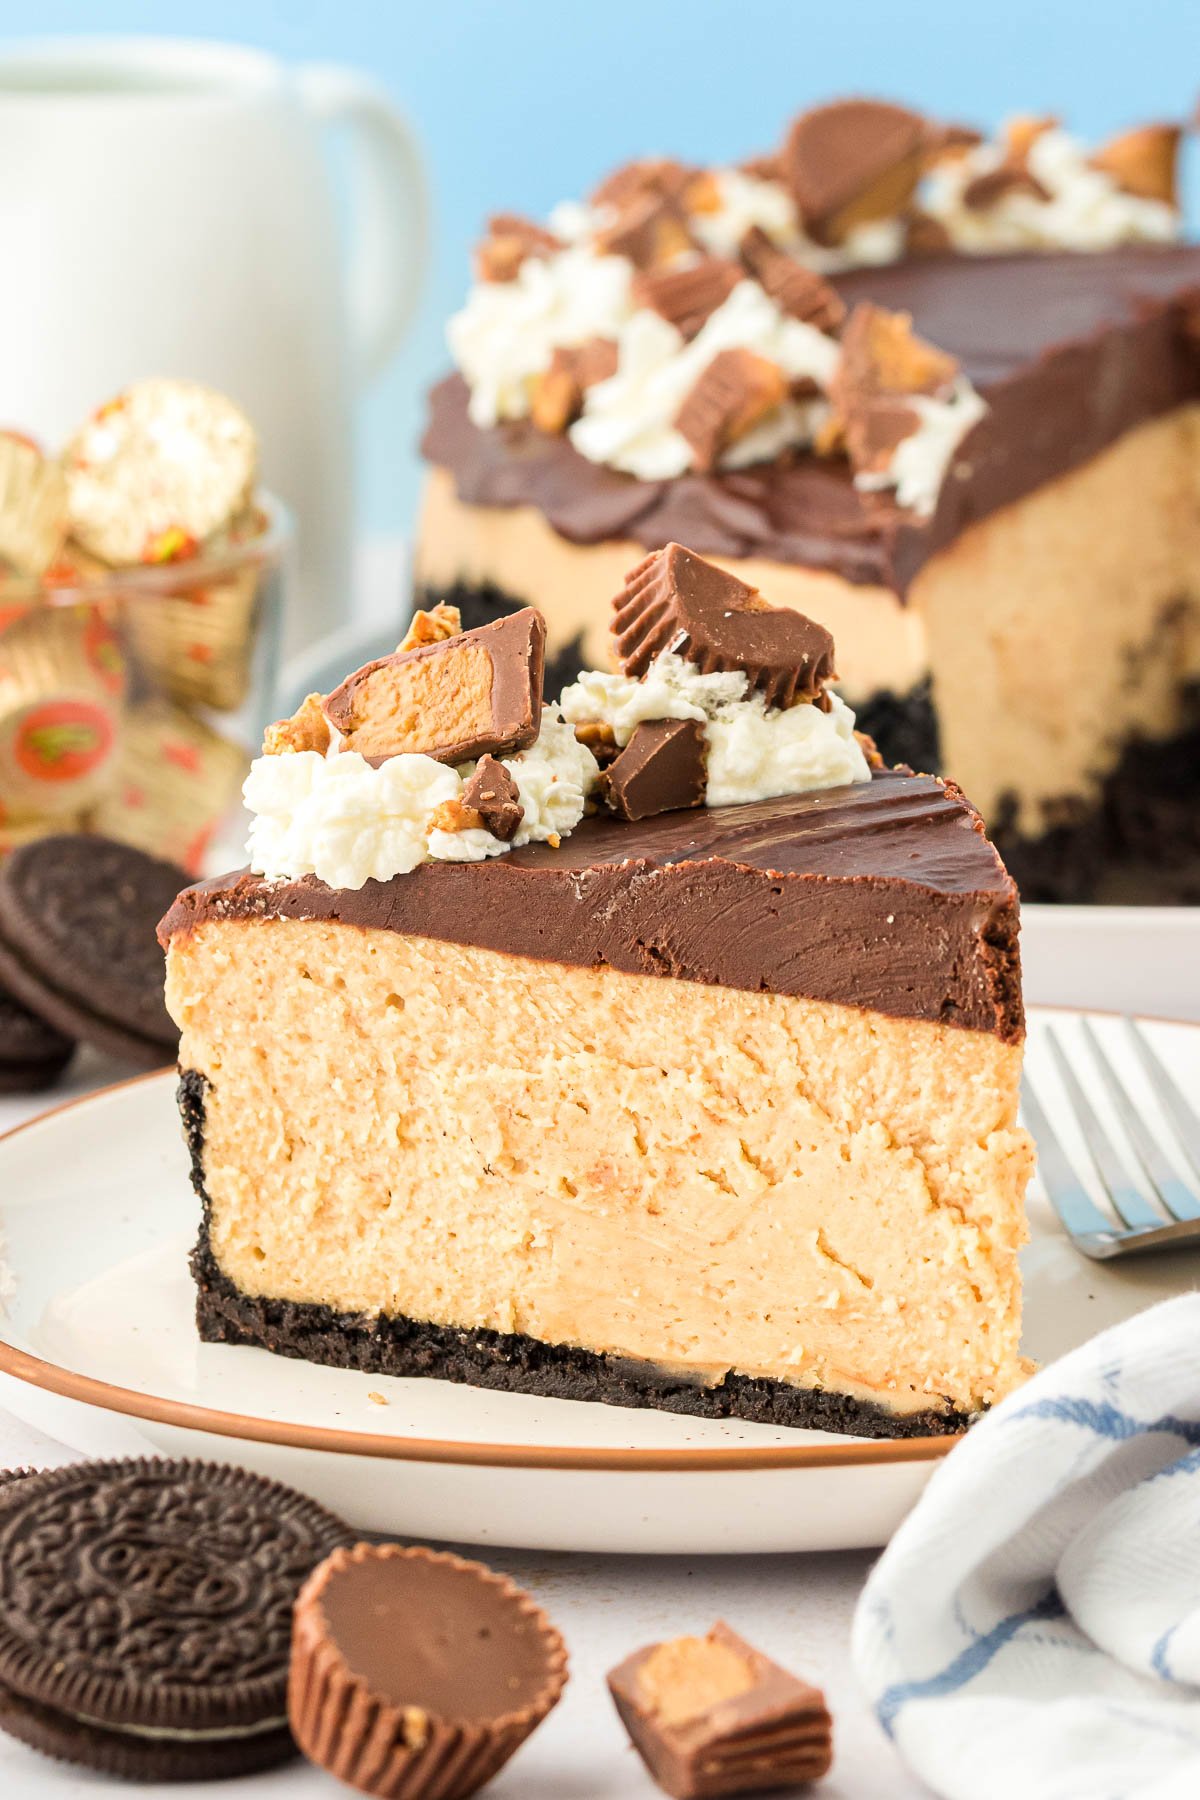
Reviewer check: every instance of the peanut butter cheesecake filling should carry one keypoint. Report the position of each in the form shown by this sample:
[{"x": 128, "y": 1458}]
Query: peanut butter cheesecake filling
[{"x": 703, "y": 1096}]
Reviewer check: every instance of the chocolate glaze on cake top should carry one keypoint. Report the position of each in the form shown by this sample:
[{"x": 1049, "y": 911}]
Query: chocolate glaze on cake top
[
  {"x": 885, "y": 895},
  {"x": 1069, "y": 350}
]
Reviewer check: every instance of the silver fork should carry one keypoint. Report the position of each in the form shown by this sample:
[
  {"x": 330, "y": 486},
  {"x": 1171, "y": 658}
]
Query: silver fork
[{"x": 1156, "y": 1208}]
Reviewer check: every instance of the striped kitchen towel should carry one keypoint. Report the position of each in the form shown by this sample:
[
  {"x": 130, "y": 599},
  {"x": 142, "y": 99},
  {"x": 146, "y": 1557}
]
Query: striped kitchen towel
[{"x": 1032, "y": 1632}]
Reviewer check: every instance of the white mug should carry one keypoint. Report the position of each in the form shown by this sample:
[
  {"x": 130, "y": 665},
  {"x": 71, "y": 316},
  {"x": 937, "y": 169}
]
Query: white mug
[{"x": 166, "y": 209}]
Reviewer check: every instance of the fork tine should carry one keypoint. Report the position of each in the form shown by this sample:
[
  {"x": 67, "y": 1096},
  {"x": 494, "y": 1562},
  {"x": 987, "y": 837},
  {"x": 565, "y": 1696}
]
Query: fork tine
[
  {"x": 1079, "y": 1213},
  {"x": 1178, "y": 1109},
  {"x": 1124, "y": 1193},
  {"x": 1175, "y": 1194}
]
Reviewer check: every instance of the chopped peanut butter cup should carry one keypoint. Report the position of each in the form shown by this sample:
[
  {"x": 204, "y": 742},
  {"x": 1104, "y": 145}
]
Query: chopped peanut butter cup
[
  {"x": 713, "y": 1715},
  {"x": 558, "y": 391},
  {"x": 687, "y": 298},
  {"x": 650, "y": 230},
  {"x": 1143, "y": 162},
  {"x": 415, "y": 1673},
  {"x": 509, "y": 242},
  {"x": 661, "y": 769},
  {"x": 494, "y": 795},
  {"x": 851, "y": 162},
  {"x": 477, "y": 693},
  {"x": 674, "y": 600},
  {"x": 728, "y": 399},
  {"x": 883, "y": 365},
  {"x": 798, "y": 291}
]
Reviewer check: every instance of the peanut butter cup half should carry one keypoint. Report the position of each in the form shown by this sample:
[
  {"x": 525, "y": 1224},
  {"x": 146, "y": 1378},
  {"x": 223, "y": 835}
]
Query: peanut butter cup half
[{"x": 416, "y": 1673}]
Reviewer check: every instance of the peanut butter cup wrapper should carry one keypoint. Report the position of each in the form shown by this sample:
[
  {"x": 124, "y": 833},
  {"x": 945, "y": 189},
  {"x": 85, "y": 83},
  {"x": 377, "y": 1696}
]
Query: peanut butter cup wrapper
[
  {"x": 15, "y": 832},
  {"x": 398, "y": 1749},
  {"x": 197, "y": 645},
  {"x": 158, "y": 473},
  {"x": 176, "y": 780},
  {"x": 33, "y": 505},
  {"x": 62, "y": 686}
]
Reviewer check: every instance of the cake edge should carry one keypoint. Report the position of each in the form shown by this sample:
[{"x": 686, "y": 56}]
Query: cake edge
[{"x": 510, "y": 1362}]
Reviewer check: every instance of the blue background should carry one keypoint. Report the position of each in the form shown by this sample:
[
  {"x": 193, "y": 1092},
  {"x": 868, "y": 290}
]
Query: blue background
[{"x": 520, "y": 103}]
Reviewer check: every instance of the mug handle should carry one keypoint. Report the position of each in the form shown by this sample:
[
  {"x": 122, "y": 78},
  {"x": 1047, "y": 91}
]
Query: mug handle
[{"x": 391, "y": 203}]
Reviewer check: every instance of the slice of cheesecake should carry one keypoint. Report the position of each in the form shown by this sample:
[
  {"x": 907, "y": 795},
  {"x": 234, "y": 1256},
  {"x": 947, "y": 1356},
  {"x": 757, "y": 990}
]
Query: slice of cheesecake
[{"x": 712, "y": 1110}]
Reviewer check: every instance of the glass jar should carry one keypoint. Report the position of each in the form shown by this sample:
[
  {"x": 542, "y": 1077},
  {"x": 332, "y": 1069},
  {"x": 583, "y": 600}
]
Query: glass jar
[{"x": 131, "y": 700}]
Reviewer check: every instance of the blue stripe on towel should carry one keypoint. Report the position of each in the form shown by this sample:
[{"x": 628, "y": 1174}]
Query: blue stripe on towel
[
  {"x": 968, "y": 1663},
  {"x": 1106, "y": 1420}
]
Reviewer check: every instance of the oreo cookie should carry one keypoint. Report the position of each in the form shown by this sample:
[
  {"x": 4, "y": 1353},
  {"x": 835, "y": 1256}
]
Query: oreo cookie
[
  {"x": 78, "y": 917},
  {"x": 32, "y": 1053},
  {"x": 146, "y": 1615}
]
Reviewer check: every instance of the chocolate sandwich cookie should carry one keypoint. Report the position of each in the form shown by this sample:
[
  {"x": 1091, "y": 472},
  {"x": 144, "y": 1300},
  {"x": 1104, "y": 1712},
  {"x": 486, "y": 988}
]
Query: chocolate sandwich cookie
[
  {"x": 32, "y": 1053},
  {"x": 145, "y": 1615},
  {"x": 77, "y": 942}
]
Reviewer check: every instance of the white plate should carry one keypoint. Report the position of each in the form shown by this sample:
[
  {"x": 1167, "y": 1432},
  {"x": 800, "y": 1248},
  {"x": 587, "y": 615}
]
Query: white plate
[{"x": 101, "y": 1352}]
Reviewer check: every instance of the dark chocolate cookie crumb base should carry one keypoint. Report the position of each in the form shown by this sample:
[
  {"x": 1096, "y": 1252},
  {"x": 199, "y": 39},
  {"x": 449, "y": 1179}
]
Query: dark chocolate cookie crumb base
[
  {"x": 511, "y": 1362},
  {"x": 1139, "y": 845}
]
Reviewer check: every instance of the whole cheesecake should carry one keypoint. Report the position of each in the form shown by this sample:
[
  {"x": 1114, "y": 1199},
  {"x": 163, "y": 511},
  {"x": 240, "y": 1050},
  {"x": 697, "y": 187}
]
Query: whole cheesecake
[
  {"x": 998, "y": 514},
  {"x": 661, "y": 1048}
]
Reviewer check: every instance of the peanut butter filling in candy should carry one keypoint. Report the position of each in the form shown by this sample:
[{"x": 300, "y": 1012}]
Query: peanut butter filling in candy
[
  {"x": 712, "y": 1715},
  {"x": 159, "y": 472},
  {"x": 473, "y": 694},
  {"x": 418, "y": 1673}
]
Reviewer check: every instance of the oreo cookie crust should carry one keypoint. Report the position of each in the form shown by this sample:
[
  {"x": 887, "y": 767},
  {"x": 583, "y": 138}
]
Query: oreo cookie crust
[
  {"x": 145, "y": 1615},
  {"x": 77, "y": 942},
  {"x": 32, "y": 1053}
]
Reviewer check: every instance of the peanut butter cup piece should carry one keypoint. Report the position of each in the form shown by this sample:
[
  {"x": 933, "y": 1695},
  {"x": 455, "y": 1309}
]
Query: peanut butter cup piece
[
  {"x": 797, "y": 291},
  {"x": 574, "y": 368},
  {"x": 1143, "y": 162},
  {"x": 477, "y": 693},
  {"x": 492, "y": 793},
  {"x": 661, "y": 769},
  {"x": 661, "y": 175},
  {"x": 687, "y": 298},
  {"x": 984, "y": 191},
  {"x": 415, "y": 1672},
  {"x": 712, "y": 1715},
  {"x": 883, "y": 365},
  {"x": 674, "y": 600},
  {"x": 852, "y": 161},
  {"x": 512, "y": 239},
  {"x": 728, "y": 399},
  {"x": 650, "y": 230}
]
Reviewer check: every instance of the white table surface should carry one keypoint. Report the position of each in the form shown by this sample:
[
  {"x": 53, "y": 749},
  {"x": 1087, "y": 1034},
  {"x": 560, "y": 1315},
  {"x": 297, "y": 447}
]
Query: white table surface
[{"x": 798, "y": 1608}]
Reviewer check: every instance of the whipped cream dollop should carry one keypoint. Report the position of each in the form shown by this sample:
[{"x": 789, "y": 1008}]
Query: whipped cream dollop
[
  {"x": 340, "y": 819},
  {"x": 629, "y": 420},
  {"x": 1086, "y": 210},
  {"x": 753, "y": 751},
  {"x": 508, "y": 331},
  {"x": 917, "y": 467},
  {"x": 745, "y": 200}
]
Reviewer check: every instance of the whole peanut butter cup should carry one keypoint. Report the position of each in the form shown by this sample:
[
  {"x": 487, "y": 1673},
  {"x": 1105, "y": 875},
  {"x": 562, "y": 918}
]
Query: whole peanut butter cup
[{"x": 416, "y": 1674}]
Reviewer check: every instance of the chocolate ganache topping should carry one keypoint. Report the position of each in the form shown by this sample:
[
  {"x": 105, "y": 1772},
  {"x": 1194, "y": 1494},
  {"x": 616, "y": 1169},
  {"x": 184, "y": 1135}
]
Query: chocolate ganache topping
[
  {"x": 1069, "y": 351},
  {"x": 883, "y": 895}
]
